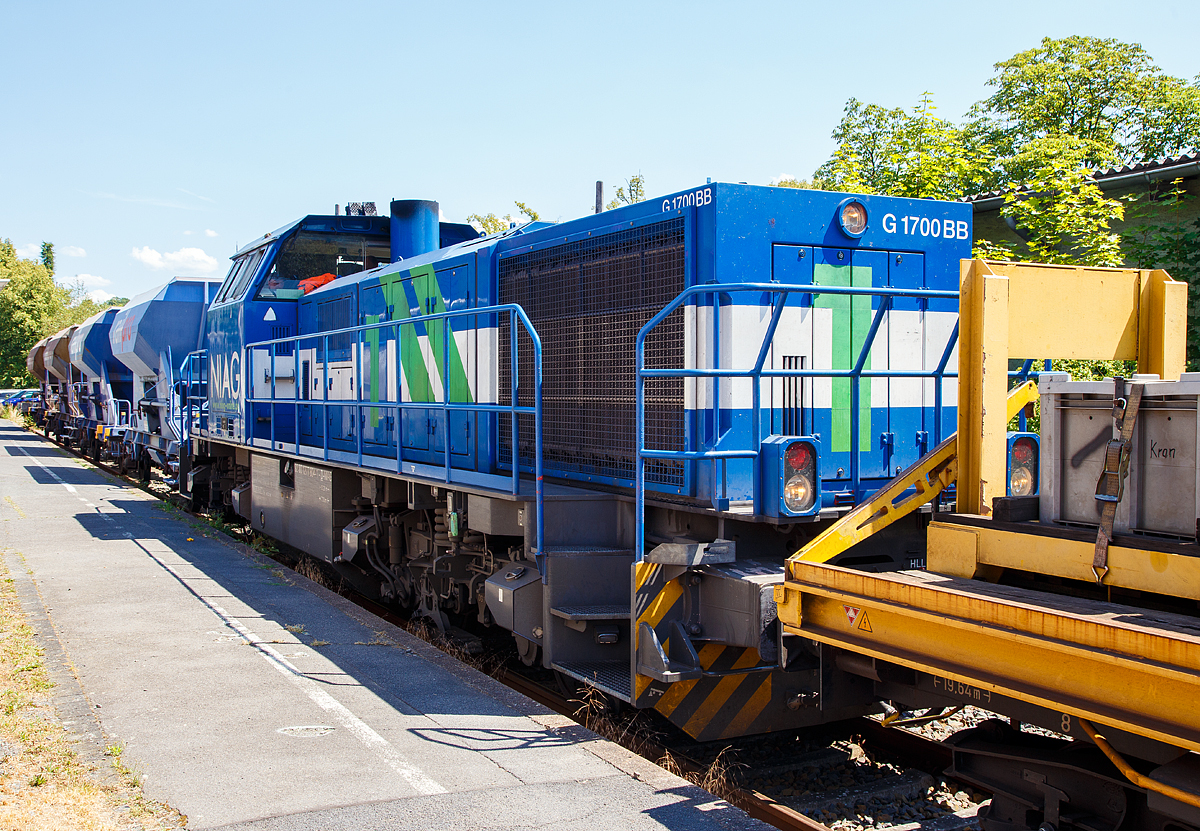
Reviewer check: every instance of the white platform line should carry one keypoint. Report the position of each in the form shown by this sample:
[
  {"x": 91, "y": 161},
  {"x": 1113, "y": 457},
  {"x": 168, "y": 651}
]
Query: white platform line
[
  {"x": 381, "y": 747},
  {"x": 409, "y": 772},
  {"x": 53, "y": 475}
]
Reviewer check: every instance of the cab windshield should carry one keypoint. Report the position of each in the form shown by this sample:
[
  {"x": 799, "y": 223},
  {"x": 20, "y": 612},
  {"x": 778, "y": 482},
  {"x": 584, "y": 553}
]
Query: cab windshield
[{"x": 309, "y": 260}]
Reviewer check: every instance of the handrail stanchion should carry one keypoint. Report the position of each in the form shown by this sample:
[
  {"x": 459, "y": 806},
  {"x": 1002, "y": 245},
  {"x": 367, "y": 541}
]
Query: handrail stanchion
[
  {"x": 325, "y": 398},
  {"x": 512, "y": 418},
  {"x": 939, "y": 382},
  {"x": 537, "y": 442},
  {"x": 447, "y": 384},
  {"x": 756, "y": 410},
  {"x": 358, "y": 357},
  {"x": 856, "y": 394},
  {"x": 399, "y": 401}
]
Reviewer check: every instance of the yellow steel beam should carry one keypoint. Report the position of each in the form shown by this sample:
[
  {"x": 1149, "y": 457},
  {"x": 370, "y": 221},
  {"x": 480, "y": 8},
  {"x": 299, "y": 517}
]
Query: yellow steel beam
[
  {"x": 1020, "y": 310},
  {"x": 1020, "y": 396},
  {"x": 960, "y": 551},
  {"x": 928, "y": 476},
  {"x": 1127, "y": 668}
]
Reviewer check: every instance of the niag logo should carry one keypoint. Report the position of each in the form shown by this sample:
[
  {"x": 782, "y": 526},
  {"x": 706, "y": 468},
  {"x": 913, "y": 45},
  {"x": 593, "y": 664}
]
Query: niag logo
[{"x": 226, "y": 379}]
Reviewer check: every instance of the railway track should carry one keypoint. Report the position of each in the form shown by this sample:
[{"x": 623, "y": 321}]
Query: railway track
[{"x": 853, "y": 775}]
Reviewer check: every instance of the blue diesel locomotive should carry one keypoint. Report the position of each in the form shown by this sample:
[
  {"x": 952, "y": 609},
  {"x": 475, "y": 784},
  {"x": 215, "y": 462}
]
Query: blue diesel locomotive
[{"x": 603, "y": 435}]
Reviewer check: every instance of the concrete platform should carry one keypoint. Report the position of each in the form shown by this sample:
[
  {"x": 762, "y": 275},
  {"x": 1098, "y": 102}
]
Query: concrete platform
[{"x": 248, "y": 697}]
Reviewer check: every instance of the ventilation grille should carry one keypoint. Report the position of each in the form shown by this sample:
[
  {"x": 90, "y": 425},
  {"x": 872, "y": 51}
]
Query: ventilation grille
[
  {"x": 792, "y": 409},
  {"x": 278, "y": 332},
  {"x": 587, "y": 300},
  {"x": 337, "y": 314}
]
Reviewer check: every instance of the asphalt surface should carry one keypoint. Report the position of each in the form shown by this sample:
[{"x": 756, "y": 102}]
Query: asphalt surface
[{"x": 250, "y": 698}]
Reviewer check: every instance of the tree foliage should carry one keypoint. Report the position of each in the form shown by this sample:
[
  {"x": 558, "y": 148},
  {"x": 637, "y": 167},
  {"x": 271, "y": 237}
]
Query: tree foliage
[
  {"x": 1056, "y": 114},
  {"x": 1058, "y": 111},
  {"x": 1107, "y": 94},
  {"x": 1061, "y": 212},
  {"x": 1158, "y": 237},
  {"x": 492, "y": 224},
  {"x": 33, "y": 306},
  {"x": 48, "y": 257},
  {"x": 792, "y": 182},
  {"x": 630, "y": 193},
  {"x": 899, "y": 153}
]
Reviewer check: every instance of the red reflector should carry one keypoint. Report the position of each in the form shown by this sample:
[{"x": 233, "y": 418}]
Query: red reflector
[{"x": 799, "y": 456}]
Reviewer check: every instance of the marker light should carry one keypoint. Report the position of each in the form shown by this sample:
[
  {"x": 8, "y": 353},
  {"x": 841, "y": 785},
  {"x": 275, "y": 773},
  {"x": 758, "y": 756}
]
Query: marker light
[
  {"x": 1022, "y": 466},
  {"x": 799, "y": 470},
  {"x": 799, "y": 455},
  {"x": 852, "y": 216}
]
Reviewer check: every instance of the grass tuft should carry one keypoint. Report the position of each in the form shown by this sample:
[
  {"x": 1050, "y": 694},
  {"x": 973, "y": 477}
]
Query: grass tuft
[{"x": 44, "y": 783}]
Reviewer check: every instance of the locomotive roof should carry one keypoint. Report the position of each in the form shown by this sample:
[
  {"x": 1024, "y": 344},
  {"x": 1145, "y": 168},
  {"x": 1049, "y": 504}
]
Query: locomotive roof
[{"x": 321, "y": 222}]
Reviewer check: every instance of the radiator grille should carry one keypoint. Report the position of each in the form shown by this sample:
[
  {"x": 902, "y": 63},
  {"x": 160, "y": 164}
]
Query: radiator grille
[{"x": 588, "y": 299}]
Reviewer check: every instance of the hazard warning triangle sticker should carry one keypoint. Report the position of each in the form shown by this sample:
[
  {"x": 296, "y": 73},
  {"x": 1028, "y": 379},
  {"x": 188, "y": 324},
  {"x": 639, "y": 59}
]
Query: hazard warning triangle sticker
[{"x": 858, "y": 618}]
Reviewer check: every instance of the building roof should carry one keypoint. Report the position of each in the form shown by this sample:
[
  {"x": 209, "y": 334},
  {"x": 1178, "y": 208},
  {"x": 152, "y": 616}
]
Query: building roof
[{"x": 1186, "y": 165}]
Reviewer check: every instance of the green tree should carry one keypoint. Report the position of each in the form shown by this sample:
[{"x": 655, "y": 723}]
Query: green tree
[
  {"x": 791, "y": 182},
  {"x": 30, "y": 305},
  {"x": 630, "y": 193},
  {"x": 1060, "y": 211},
  {"x": 492, "y": 224},
  {"x": 1107, "y": 94},
  {"x": 900, "y": 153},
  {"x": 1158, "y": 236},
  {"x": 33, "y": 306},
  {"x": 48, "y": 257}
]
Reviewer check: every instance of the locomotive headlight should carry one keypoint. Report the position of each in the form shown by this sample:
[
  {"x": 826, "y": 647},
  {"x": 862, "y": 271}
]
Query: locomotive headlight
[
  {"x": 798, "y": 493},
  {"x": 852, "y": 217}
]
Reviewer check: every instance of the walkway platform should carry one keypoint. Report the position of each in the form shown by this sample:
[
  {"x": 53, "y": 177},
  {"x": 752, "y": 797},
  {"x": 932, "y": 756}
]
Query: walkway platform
[{"x": 247, "y": 697}]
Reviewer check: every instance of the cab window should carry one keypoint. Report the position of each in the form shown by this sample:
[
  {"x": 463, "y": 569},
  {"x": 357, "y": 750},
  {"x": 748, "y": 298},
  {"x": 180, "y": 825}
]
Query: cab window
[
  {"x": 223, "y": 294},
  {"x": 311, "y": 259},
  {"x": 252, "y": 262}
]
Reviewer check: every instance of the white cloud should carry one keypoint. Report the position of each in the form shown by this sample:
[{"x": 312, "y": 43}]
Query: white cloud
[
  {"x": 186, "y": 261},
  {"x": 187, "y": 233},
  {"x": 209, "y": 232},
  {"x": 93, "y": 280},
  {"x": 74, "y": 251},
  {"x": 100, "y": 295},
  {"x": 32, "y": 251}
]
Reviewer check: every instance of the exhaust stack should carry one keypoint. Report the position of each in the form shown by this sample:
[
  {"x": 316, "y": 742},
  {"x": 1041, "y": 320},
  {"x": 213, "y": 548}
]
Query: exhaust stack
[{"x": 415, "y": 228}]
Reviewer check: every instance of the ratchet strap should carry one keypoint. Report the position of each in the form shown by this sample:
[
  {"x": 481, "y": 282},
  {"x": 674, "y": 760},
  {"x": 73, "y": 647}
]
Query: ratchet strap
[{"x": 1111, "y": 485}]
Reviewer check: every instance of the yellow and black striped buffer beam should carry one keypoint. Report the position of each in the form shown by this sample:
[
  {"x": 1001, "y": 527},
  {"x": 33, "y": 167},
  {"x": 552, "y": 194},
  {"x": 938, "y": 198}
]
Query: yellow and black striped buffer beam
[{"x": 737, "y": 694}]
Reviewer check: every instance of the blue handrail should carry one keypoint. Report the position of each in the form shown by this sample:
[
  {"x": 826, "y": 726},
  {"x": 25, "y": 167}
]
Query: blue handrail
[
  {"x": 780, "y": 292},
  {"x": 513, "y": 310}
]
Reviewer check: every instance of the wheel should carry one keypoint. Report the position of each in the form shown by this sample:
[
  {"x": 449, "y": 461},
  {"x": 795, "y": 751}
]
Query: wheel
[{"x": 528, "y": 650}]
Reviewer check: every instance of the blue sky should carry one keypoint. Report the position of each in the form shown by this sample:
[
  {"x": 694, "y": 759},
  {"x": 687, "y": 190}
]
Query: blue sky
[{"x": 150, "y": 139}]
